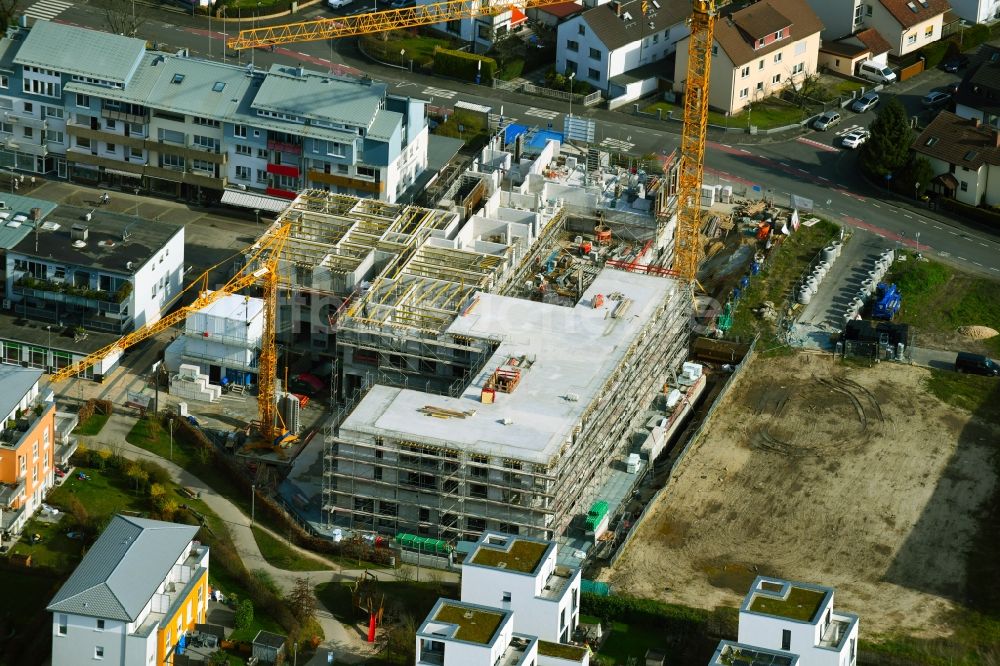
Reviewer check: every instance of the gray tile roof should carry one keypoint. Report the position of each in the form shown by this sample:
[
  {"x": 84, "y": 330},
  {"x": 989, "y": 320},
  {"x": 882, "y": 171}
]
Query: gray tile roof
[
  {"x": 309, "y": 94},
  {"x": 616, "y": 30},
  {"x": 123, "y": 569},
  {"x": 80, "y": 52},
  {"x": 385, "y": 123},
  {"x": 15, "y": 381}
]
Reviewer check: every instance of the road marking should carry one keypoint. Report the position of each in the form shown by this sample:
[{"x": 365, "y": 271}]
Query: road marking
[
  {"x": 785, "y": 165},
  {"x": 541, "y": 113},
  {"x": 617, "y": 144},
  {"x": 824, "y": 179},
  {"x": 907, "y": 215},
  {"x": 961, "y": 258},
  {"x": 744, "y": 150},
  {"x": 937, "y": 227},
  {"x": 977, "y": 263},
  {"x": 817, "y": 144},
  {"x": 984, "y": 244},
  {"x": 47, "y": 9},
  {"x": 992, "y": 268},
  {"x": 953, "y": 233},
  {"x": 944, "y": 254},
  {"x": 440, "y": 92}
]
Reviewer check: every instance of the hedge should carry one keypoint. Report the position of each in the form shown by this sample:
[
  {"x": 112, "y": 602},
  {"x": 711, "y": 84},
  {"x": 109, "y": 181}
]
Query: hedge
[
  {"x": 934, "y": 53},
  {"x": 461, "y": 65},
  {"x": 979, "y": 214}
]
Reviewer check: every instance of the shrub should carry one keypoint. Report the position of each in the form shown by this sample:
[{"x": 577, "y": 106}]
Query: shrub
[
  {"x": 465, "y": 66},
  {"x": 934, "y": 53},
  {"x": 976, "y": 213},
  {"x": 244, "y": 614}
]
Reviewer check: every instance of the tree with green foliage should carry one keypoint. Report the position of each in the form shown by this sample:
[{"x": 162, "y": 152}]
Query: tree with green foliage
[
  {"x": 888, "y": 148},
  {"x": 917, "y": 176},
  {"x": 301, "y": 601},
  {"x": 244, "y": 614}
]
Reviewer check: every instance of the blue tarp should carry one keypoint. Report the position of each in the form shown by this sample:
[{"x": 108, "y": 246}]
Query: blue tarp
[
  {"x": 539, "y": 138},
  {"x": 512, "y": 131}
]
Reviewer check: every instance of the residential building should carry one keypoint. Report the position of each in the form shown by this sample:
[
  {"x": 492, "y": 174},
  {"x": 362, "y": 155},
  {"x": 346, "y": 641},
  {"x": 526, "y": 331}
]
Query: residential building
[
  {"x": 965, "y": 157},
  {"x": 139, "y": 589},
  {"x": 794, "y": 621},
  {"x": 846, "y": 54},
  {"x": 102, "y": 108},
  {"x": 609, "y": 40},
  {"x": 222, "y": 339},
  {"x": 27, "y": 444},
  {"x": 758, "y": 51},
  {"x": 521, "y": 574},
  {"x": 517, "y": 607},
  {"x": 553, "y": 15},
  {"x": 112, "y": 273},
  {"x": 976, "y": 11},
  {"x": 906, "y": 24},
  {"x": 978, "y": 96},
  {"x": 484, "y": 28}
]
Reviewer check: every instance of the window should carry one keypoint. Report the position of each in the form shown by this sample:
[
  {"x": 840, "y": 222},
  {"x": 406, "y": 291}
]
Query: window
[
  {"x": 745, "y": 72},
  {"x": 83, "y": 101},
  {"x": 135, "y": 153},
  {"x": 570, "y": 67},
  {"x": 53, "y": 136},
  {"x": 799, "y": 68},
  {"x": 800, "y": 47},
  {"x": 240, "y": 131},
  {"x": 262, "y": 153},
  {"x": 777, "y": 57},
  {"x": 366, "y": 172},
  {"x": 929, "y": 31},
  {"x": 242, "y": 173},
  {"x": 342, "y": 168},
  {"x": 178, "y": 79},
  {"x": 506, "y": 597},
  {"x": 744, "y": 93},
  {"x": 425, "y": 515},
  {"x": 776, "y": 78},
  {"x": 261, "y": 176},
  {"x": 715, "y": 49},
  {"x": 581, "y": 29},
  {"x": 912, "y": 39},
  {"x": 52, "y": 112},
  {"x": 110, "y": 123},
  {"x": 573, "y": 45},
  {"x": 98, "y": 652},
  {"x": 29, "y": 132},
  {"x": 110, "y": 148},
  {"x": 63, "y": 625},
  {"x": 964, "y": 186},
  {"x": 136, "y": 129},
  {"x": 859, "y": 12},
  {"x": 760, "y": 65},
  {"x": 595, "y": 54},
  {"x": 786, "y": 639},
  {"x": 760, "y": 86},
  {"x": 243, "y": 149},
  {"x": 100, "y": 625},
  {"x": 4, "y": 81},
  {"x": 593, "y": 74},
  {"x": 29, "y": 107},
  {"x": 34, "y": 451},
  {"x": 868, "y": 10}
]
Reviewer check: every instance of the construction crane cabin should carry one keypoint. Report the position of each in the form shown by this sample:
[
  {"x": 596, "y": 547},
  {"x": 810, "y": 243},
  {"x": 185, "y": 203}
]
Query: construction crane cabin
[{"x": 260, "y": 269}]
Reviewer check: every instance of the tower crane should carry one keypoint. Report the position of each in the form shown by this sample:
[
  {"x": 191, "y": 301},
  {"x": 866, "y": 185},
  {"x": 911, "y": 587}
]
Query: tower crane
[
  {"x": 687, "y": 247},
  {"x": 261, "y": 268}
]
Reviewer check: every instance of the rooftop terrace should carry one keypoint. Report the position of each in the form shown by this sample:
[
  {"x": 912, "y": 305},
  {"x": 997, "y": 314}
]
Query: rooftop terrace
[{"x": 472, "y": 624}]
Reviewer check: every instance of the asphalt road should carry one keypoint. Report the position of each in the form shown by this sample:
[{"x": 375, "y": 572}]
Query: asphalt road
[{"x": 812, "y": 165}]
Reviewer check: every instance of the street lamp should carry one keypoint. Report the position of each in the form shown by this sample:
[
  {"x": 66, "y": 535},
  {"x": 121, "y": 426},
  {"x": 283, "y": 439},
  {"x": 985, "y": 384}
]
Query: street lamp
[
  {"x": 256, "y": 211},
  {"x": 253, "y": 502},
  {"x": 916, "y": 190},
  {"x": 136, "y": 190},
  {"x": 48, "y": 347},
  {"x": 402, "y": 52},
  {"x": 171, "y": 439},
  {"x": 572, "y": 75}
]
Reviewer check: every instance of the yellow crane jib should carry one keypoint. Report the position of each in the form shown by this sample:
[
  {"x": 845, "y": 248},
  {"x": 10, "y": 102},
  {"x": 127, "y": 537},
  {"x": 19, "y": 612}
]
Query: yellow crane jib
[{"x": 382, "y": 21}]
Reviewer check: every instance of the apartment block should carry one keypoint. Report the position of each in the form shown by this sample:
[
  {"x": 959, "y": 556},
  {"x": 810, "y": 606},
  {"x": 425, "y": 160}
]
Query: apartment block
[
  {"x": 27, "y": 444},
  {"x": 140, "y": 588},
  {"x": 785, "y": 623},
  {"x": 102, "y": 108},
  {"x": 521, "y": 574}
]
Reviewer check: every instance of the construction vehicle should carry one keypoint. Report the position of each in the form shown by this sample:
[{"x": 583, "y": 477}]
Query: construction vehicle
[
  {"x": 688, "y": 250},
  {"x": 260, "y": 269},
  {"x": 887, "y": 301}
]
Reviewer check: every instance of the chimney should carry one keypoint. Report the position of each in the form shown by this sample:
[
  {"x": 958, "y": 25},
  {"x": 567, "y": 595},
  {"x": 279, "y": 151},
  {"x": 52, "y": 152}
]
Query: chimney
[
  {"x": 616, "y": 7},
  {"x": 996, "y": 139}
]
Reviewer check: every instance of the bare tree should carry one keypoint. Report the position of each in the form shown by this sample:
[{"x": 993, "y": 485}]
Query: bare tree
[
  {"x": 8, "y": 11},
  {"x": 123, "y": 17},
  {"x": 301, "y": 601}
]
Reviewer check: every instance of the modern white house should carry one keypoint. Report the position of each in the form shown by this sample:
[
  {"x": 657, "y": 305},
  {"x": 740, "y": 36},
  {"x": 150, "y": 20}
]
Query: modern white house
[
  {"x": 758, "y": 51},
  {"x": 222, "y": 339},
  {"x": 520, "y": 574},
  {"x": 614, "y": 38},
  {"x": 965, "y": 156},
  {"x": 906, "y": 24},
  {"x": 132, "y": 599},
  {"x": 484, "y": 28},
  {"x": 518, "y": 608},
  {"x": 794, "y": 621}
]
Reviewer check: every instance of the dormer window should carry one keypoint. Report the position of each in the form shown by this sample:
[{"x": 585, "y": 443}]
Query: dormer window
[
  {"x": 760, "y": 43},
  {"x": 777, "y": 35}
]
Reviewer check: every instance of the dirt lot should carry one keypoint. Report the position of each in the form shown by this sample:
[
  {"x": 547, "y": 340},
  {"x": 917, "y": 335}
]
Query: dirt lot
[{"x": 815, "y": 471}]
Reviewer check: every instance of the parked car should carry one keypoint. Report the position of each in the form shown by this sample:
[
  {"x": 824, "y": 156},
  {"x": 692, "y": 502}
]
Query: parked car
[
  {"x": 876, "y": 72},
  {"x": 854, "y": 138},
  {"x": 976, "y": 364},
  {"x": 826, "y": 120},
  {"x": 955, "y": 63},
  {"x": 338, "y": 4},
  {"x": 936, "y": 98},
  {"x": 865, "y": 102}
]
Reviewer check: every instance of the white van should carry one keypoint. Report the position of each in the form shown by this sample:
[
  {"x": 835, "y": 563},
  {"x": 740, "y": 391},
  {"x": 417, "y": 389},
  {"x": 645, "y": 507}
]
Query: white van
[{"x": 875, "y": 72}]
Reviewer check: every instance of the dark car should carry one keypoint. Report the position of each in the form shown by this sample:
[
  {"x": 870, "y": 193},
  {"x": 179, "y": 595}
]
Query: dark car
[
  {"x": 976, "y": 364},
  {"x": 955, "y": 63}
]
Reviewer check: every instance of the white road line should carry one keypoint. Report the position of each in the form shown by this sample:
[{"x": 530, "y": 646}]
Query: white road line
[
  {"x": 744, "y": 150},
  {"x": 993, "y": 268},
  {"x": 923, "y": 221},
  {"x": 937, "y": 227},
  {"x": 977, "y": 263},
  {"x": 440, "y": 92},
  {"x": 984, "y": 244},
  {"x": 785, "y": 165},
  {"x": 908, "y": 215},
  {"x": 961, "y": 258},
  {"x": 824, "y": 179}
]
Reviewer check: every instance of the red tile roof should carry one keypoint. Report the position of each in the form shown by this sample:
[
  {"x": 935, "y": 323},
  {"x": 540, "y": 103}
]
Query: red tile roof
[
  {"x": 562, "y": 10},
  {"x": 909, "y": 13},
  {"x": 960, "y": 141},
  {"x": 874, "y": 41}
]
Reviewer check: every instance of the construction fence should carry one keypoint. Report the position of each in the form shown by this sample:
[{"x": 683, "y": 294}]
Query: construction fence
[{"x": 738, "y": 370}]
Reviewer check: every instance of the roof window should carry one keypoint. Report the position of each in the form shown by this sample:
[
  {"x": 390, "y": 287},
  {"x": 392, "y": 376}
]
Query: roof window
[
  {"x": 969, "y": 156},
  {"x": 219, "y": 86},
  {"x": 931, "y": 141},
  {"x": 913, "y": 7},
  {"x": 177, "y": 78}
]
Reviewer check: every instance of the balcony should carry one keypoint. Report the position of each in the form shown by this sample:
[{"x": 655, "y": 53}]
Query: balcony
[
  {"x": 30, "y": 146},
  {"x": 12, "y": 493},
  {"x": 84, "y": 156},
  {"x": 284, "y": 147},
  {"x": 26, "y": 121},
  {"x": 87, "y": 132},
  {"x": 125, "y": 117},
  {"x": 345, "y": 181},
  {"x": 836, "y": 632},
  {"x": 283, "y": 170},
  {"x": 190, "y": 151},
  {"x": 284, "y": 194},
  {"x": 62, "y": 292}
]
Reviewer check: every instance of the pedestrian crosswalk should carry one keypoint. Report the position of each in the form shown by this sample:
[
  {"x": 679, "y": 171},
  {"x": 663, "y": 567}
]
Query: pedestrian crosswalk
[
  {"x": 541, "y": 113},
  {"x": 440, "y": 92},
  {"x": 617, "y": 144},
  {"x": 848, "y": 129},
  {"x": 47, "y": 9}
]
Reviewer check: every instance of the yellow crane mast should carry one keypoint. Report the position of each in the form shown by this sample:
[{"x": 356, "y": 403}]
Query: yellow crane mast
[
  {"x": 262, "y": 265},
  {"x": 687, "y": 247},
  {"x": 383, "y": 21}
]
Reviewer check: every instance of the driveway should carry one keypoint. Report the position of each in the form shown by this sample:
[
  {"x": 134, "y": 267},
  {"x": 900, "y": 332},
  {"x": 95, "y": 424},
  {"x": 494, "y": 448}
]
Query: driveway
[{"x": 933, "y": 358}]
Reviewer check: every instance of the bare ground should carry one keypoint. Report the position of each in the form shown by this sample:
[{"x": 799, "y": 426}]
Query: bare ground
[{"x": 815, "y": 471}]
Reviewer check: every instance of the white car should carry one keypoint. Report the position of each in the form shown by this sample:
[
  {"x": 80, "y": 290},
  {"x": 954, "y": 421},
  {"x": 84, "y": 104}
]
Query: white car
[
  {"x": 338, "y": 4},
  {"x": 854, "y": 138}
]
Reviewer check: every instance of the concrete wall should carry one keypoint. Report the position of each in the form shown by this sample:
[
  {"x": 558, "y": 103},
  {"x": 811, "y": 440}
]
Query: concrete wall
[
  {"x": 165, "y": 271},
  {"x": 976, "y": 11}
]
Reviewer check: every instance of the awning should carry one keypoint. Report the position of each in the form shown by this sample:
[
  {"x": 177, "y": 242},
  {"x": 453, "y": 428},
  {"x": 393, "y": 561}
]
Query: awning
[
  {"x": 948, "y": 180},
  {"x": 125, "y": 174},
  {"x": 517, "y": 17},
  {"x": 255, "y": 201}
]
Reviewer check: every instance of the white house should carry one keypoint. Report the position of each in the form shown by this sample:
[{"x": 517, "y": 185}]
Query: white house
[
  {"x": 520, "y": 574},
  {"x": 977, "y": 11},
  {"x": 846, "y": 54},
  {"x": 483, "y": 28},
  {"x": 796, "y": 620},
  {"x": 979, "y": 94},
  {"x": 456, "y": 633},
  {"x": 611, "y": 39},
  {"x": 758, "y": 51},
  {"x": 139, "y": 589},
  {"x": 222, "y": 339},
  {"x": 965, "y": 156},
  {"x": 906, "y": 24}
]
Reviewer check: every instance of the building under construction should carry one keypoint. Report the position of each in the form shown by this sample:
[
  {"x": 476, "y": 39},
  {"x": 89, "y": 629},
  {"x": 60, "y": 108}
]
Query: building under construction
[{"x": 491, "y": 363}]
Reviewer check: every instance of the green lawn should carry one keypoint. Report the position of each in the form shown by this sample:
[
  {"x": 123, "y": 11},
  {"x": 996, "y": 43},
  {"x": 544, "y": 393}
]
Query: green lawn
[
  {"x": 418, "y": 48},
  {"x": 766, "y": 114},
  {"x": 278, "y": 554},
  {"x": 979, "y": 395},
  {"x": 91, "y": 426},
  {"x": 55, "y": 551},
  {"x": 102, "y": 494},
  {"x": 631, "y": 641},
  {"x": 417, "y": 599}
]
